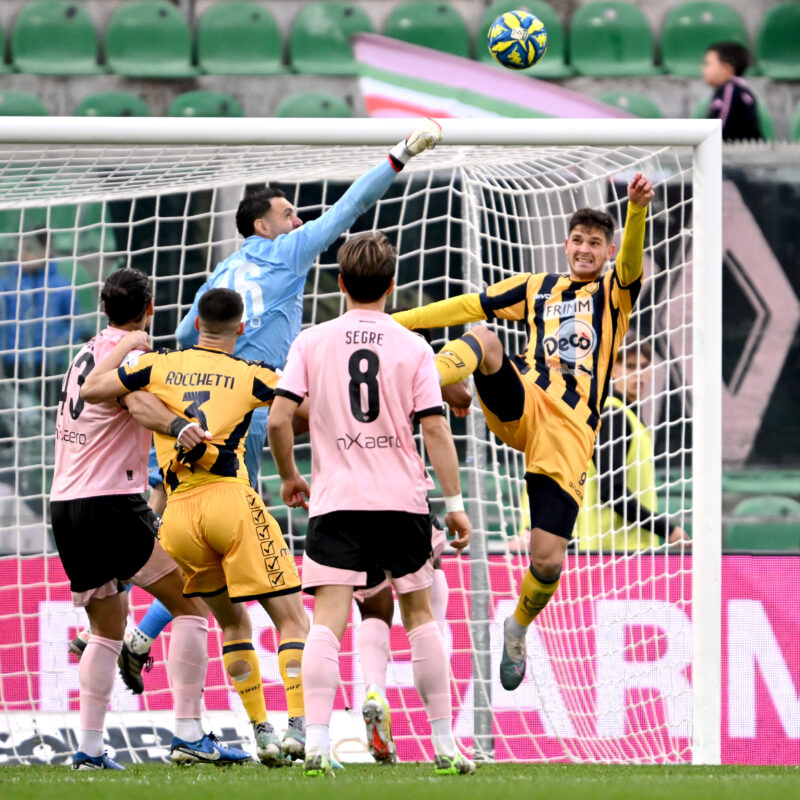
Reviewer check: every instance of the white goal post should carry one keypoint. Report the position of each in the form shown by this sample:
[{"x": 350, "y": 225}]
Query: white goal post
[{"x": 525, "y": 169}]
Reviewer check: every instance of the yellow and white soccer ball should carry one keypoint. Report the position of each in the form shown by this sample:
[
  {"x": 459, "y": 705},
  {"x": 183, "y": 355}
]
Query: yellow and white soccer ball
[{"x": 517, "y": 39}]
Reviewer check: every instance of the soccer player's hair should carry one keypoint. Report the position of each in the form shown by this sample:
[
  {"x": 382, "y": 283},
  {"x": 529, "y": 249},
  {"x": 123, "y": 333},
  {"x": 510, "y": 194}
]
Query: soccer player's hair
[
  {"x": 253, "y": 206},
  {"x": 732, "y": 53},
  {"x": 125, "y": 295},
  {"x": 367, "y": 264},
  {"x": 592, "y": 218},
  {"x": 220, "y": 311}
]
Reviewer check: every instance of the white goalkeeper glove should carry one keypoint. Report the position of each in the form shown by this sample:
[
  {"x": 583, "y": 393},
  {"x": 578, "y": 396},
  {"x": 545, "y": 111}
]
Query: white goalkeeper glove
[{"x": 426, "y": 135}]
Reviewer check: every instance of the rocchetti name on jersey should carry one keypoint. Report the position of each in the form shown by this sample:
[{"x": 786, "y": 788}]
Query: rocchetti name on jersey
[{"x": 199, "y": 379}]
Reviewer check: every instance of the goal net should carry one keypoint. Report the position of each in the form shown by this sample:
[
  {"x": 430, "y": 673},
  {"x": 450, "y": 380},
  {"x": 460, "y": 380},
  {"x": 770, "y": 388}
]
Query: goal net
[{"x": 622, "y": 661}]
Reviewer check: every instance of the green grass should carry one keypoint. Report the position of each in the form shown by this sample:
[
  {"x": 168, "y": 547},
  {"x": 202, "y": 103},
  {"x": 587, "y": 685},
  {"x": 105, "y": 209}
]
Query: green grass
[{"x": 405, "y": 782}]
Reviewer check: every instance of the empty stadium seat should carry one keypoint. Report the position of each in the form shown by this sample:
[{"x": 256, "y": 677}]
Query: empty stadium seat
[
  {"x": 149, "y": 39},
  {"x": 778, "y": 530},
  {"x": 641, "y": 105},
  {"x": 778, "y": 43},
  {"x": 79, "y": 229},
  {"x": 239, "y": 39},
  {"x": 112, "y": 104},
  {"x": 553, "y": 63},
  {"x": 54, "y": 37},
  {"x": 611, "y": 39},
  {"x": 205, "y": 104},
  {"x": 313, "y": 104},
  {"x": 762, "y": 481},
  {"x": 21, "y": 104},
  {"x": 764, "y": 117},
  {"x": 794, "y": 130},
  {"x": 319, "y": 41},
  {"x": 691, "y": 28},
  {"x": 437, "y": 25}
]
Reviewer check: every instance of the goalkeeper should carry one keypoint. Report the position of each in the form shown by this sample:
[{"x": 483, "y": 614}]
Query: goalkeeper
[
  {"x": 546, "y": 402},
  {"x": 269, "y": 271}
]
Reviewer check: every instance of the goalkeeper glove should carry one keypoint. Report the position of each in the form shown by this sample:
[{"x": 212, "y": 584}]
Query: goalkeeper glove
[{"x": 427, "y": 135}]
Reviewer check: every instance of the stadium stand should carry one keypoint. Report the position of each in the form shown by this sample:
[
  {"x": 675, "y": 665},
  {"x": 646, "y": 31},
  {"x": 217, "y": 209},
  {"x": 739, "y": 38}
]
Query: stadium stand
[
  {"x": 239, "y": 39},
  {"x": 54, "y": 37},
  {"x": 778, "y": 526},
  {"x": 435, "y": 25},
  {"x": 313, "y": 104},
  {"x": 78, "y": 230},
  {"x": 641, "y": 105},
  {"x": 778, "y": 43},
  {"x": 4, "y": 68},
  {"x": 149, "y": 39},
  {"x": 758, "y": 482},
  {"x": 611, "y": 39},
  {"x": 319, "y": 41},
  {"x": 21, "y": 104},
  {"x": 205, "y": 104},
  {"x": 794, "y": 130},
  {"x": 690, "y": 28},
  {"x": 112, "y": 104},
  {"x": 554, "y": 65}
]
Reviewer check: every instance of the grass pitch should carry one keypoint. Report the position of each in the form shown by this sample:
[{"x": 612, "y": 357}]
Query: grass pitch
[{"x": 404, "y": 782}]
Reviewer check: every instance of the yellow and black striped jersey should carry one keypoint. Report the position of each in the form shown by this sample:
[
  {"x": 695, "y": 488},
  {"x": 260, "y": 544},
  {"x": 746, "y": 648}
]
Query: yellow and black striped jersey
[
  {"x": 214, "y": 388},
  {"x": 575, "y": 327}
]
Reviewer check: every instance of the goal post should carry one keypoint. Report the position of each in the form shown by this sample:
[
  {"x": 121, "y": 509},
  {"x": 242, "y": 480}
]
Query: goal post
[{"x": 491, "y": 200}]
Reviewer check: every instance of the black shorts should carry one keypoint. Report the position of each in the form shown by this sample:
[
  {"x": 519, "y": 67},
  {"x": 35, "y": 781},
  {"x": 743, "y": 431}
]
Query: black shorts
[
  {"x": 101, "y": 539},
  {"x": 371, "y": 542}
]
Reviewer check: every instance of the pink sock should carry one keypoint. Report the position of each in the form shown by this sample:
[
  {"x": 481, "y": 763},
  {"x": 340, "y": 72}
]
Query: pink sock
[
  {"x": 431, "y": 670},
  {"x": 373, "y": 647},
  {"x": 186, "y": 664},
  {"x": 439, "y": 592},
  {"x": 96, "y": 673},
  {"x": 320, "y": 674}
]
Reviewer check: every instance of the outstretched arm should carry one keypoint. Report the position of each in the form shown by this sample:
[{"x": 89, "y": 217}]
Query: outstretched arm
[
  {"x": 631, "y": 252},
  {"x": 300, "y": 247}
]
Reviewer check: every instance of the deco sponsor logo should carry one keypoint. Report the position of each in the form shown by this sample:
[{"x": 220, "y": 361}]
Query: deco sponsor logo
[{"x": 573, "y": 341}]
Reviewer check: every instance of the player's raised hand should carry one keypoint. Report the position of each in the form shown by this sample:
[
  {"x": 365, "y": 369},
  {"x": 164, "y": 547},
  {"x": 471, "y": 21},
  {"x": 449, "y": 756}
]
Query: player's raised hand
[
  {"x": 137, "y": 340},
  {"x": 458, "y": 526},
  {"x": 424, "y": 137},
  {"x": 640, "y": 190},
  {"x": 295, "y": 491}
]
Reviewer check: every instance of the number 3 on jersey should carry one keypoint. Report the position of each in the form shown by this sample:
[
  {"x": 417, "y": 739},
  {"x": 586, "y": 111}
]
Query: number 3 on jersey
[{"x": 362, "y": 374}]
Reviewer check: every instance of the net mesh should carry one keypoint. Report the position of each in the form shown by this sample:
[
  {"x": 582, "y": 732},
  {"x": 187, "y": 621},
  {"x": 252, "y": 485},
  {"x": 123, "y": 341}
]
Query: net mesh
[{"x": 609, "y": 659}]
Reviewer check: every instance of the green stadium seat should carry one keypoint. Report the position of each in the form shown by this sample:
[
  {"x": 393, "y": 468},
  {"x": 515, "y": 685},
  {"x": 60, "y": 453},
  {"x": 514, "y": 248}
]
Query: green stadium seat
[
  {"x": 54, "y": 37},
  {"x": 112, "y": 104},
  {"x": 21, "y": 104},
  {"x": 553, "y": 64},
  {"x": 86, "y": 289},
  {"x": 205, "y": 104},
  {"x": 149, "y": 39},
  {"x": 764, "y": 117},
  {"x": 778, "y": 42},
  {"x": 641, "y": 105},
  {"x": 779, "y": 528},
  {"x": 79, "y": 230},
  {"x": 4, "y": 68},
  {"x": 313, "y": 104},
  {"x": 239, "y": 39},
  {"x": 319, "y": 41},
  {"x": 691, "y": 28},
  {"x": 611, "y": 39},
  {"x": 767, "y": 481},
  {"x": 436, "y": 25},
  {"x": 794, "y": 129}
]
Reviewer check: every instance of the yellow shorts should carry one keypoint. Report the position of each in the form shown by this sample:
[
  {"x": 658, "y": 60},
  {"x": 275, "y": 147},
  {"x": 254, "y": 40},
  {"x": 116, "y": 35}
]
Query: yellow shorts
[
  {"x": 222, "y": 536},
  {"x": 556, "y": 441}
]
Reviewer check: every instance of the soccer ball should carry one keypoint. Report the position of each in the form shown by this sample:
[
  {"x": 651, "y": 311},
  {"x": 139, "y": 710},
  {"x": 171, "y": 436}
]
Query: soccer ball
[{"x": 517, "y": 39}]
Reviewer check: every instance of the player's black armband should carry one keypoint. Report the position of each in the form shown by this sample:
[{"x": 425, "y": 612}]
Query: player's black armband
[{"x": 177, "y": 425}]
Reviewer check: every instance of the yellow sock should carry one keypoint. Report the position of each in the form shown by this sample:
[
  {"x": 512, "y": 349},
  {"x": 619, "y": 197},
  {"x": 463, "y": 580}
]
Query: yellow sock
[
  {"x": 290, "y": 656},
  {"x": 248, "y": 682},
  {"x": 534, "y": 595},
  {"x": 458, "y": 359}
]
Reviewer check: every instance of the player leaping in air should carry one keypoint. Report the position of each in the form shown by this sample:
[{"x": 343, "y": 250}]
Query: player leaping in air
[
  {"x": 547, "y": 401},
  {"x": 366, "y": 380},
  {"x": 269, "y": 270}
]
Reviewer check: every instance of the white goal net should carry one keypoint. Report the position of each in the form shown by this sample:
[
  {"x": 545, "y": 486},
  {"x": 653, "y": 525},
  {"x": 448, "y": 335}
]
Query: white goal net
[{"x": 613, "y": 670}]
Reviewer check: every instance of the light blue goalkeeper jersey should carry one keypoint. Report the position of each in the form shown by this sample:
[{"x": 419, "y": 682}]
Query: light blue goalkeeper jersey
[{"x": 270, "y": 274}]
